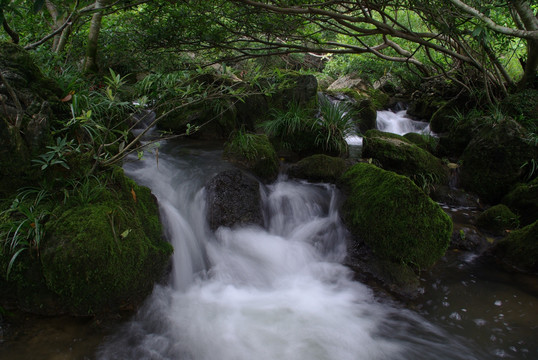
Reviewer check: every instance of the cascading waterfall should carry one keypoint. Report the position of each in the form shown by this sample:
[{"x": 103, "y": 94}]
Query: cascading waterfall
[
  {"x": 278, "y": 292},
  {"x": 399, "y": 123}
]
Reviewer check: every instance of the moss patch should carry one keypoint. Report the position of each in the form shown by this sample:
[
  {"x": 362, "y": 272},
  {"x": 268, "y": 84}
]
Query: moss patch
[
  {"x": 519, "y": 249},
  {"x": 319, "y": 167},
  {"x": 100, "y": 256},
  {"x": 497, "y": 218},
  {"x": 254, "y": 152},
  {"x": 394, "y": 217},
  {"x": 493, "y": 161},
  {"x": 398, "y": 154},
  {"x": 523, "y": 199}
]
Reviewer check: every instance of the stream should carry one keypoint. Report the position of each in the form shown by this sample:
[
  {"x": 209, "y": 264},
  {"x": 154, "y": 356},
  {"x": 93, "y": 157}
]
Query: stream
[{"x": 281, "y": 291}]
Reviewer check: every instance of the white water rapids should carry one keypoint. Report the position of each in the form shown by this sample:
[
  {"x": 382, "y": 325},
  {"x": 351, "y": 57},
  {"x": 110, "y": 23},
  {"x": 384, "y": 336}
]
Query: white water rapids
[
  {"x": 396, "y": 122},
  {"x": 253, "y": 293}
]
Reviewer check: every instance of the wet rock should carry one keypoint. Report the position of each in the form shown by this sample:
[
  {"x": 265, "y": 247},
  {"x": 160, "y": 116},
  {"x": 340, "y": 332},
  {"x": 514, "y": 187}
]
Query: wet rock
[
  {"x": 395, "y": 218},
  {"x": 523, "y": 200},
  {"x": 519, "y": 250},
  {"x": 497, "y": 219},
  {"x": 233, "y": 198},
  {"x": 454, "y": 197},
  {"x": 398, "y": 154},
  {"x": 254, "y": 153},
  {"x": 318, "y": 168},
  {"x": 493, "y": 161},
  {"x": 468, "y": 238}
]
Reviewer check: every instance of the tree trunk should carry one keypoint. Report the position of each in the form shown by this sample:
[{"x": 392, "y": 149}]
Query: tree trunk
[
  {"x": 90, "y": 61},
  {"x": 12, "y": 33},
  {"x": 530, "y": 22}
]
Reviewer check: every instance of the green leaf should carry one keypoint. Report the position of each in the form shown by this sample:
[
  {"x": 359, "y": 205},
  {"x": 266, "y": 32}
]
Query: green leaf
[{"x": 125, "y": 233}]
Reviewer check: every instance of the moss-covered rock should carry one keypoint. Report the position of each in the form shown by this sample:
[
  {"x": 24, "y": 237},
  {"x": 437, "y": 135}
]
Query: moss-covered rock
[
  {"x": 254, "y": 152},
  {"x": 101, "y": 256},
  {"x": 462, "y": 131},
  {"x": 396, "y": 153},
  {"x": 394, "y": 217},
  {"x": 519, "y": 250},
  {"x": 523, "y": 199},
  {"x": 497, "y": 219},
  {"x": 423, "y": 141},
  {"x": 493, "y": 161},
  {"x": 319, "y": 167},
  {"x": 523, "y": 106}
]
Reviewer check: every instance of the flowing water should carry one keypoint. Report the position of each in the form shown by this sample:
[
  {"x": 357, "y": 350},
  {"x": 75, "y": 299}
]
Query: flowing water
[
  {"x": 280, "y": 292},
  {"x": 397, "y": 122}
]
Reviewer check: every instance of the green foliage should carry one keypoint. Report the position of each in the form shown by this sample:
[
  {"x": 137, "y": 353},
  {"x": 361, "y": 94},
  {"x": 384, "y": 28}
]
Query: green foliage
[
  {"x": 56, "y": 154},
  {"x": 23, "y": 226},
  {"x": 334, "y": 124},
  {"x": 394, "y": 217},
  {"x": 284, "y": 123},
  {"x": 254, "y": 152}
]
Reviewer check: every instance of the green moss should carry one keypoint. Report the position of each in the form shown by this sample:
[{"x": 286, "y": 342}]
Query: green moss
[
  {"x": 394, "y": 217},
  {"x": 253, "y": 152},
  {"x": 523, "y": 106},
  {"x": 379, "y": 99},
  {"x": 497, "y": 218},
  {"x": 523, "y": 199},
  {"x": 520, "y": 248},
  {"x": 493, "y": 161},
  {"x": 396, "y": 153},
  {"x": 101, "y": 255},
  {"x": 319, "y": 167},
  {"x": 425, "y": 142}
]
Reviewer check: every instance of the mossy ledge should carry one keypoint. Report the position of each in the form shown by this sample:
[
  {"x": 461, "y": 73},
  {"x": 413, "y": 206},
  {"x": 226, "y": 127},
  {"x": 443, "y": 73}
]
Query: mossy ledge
[
  {"x": 97, "y": 257},
  {"x": 394, "y": 217}
]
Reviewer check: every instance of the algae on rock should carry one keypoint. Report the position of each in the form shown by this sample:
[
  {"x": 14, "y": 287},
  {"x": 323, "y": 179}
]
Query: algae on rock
[{"x": 319, "y": 167}]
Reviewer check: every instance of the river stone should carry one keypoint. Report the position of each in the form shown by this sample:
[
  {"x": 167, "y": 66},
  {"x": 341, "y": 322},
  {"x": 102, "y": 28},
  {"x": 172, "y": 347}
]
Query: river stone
[
  {"x": 394, "y": 217},
  {"x": 496, "y": 159},
  {"x": 319, "y": 167},
  {"x": 396, "y": 153},
  {"x": 519, "y": 250},
  {"x": 233, "y": 198}
]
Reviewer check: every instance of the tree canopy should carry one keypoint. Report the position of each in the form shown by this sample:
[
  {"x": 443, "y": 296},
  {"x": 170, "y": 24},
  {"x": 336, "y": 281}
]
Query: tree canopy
[{"x": 475, "y": 43}]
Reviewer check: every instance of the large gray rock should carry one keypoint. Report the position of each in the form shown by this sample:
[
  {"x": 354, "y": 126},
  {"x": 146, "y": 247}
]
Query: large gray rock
[{"x": 233, "y": 198}]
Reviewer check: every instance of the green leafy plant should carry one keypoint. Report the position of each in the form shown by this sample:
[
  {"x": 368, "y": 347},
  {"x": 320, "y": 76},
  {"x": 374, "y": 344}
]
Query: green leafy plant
[
  {"x": 243, "y": 143},
  {"x": 84, "y": 191},
  {"x": 24, "y": 229},
  {"x": 334, "y": 124},
  {"x": 56, "y": 154},
  {"x": 286, "y": 122}
]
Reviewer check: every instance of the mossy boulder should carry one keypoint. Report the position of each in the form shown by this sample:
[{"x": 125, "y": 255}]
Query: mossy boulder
[
  {"x": 423, "y": 141},
  {"x": 497, "y": 219},
  {"x": 494, "y": 160},
  {"x": 519, "y": 250},
  {"x": 102, "y": 256},
  {"x": 523, "y": 199},
  {"x": 396, "y": 153},
  {"x": 394, "y": 217},
  {"x": 319, "y": 168},
  {"x": 462, "y": 131},
  {"x": 523, "y": 106},
  {"x": 253, "y": 152}
]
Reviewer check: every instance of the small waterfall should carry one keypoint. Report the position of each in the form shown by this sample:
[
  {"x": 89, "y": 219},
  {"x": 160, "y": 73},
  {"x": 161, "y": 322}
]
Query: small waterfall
[
  {"x": 278, "y": 292},
  {"x": 399, "y": 123}
]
